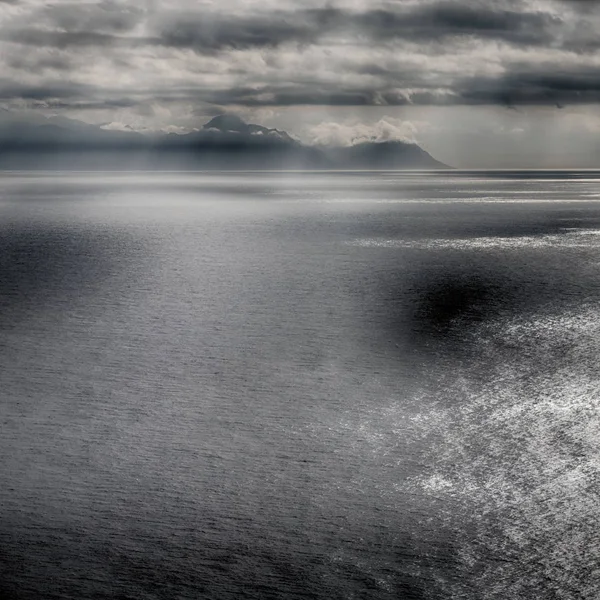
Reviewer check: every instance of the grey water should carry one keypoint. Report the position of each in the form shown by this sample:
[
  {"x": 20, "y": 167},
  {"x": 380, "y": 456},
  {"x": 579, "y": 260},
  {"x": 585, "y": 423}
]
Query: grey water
[{"x": 299, "y": 385}]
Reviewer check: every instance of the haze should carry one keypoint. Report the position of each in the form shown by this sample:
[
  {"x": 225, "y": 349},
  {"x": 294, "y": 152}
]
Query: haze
[{"x": 508, "y": 83}]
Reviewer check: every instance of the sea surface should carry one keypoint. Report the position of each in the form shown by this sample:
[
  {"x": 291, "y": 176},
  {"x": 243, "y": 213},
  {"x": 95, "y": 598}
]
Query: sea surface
[{"x": 300, "y": 385}]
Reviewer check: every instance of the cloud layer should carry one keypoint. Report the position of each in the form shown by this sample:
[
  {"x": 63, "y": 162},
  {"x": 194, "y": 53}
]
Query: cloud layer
[
  {"x": 348, "y": 134},
  {"x": 164, "y": 59}
]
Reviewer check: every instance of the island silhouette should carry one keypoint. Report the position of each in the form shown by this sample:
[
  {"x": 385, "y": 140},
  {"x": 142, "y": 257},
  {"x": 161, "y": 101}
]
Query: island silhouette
[{"x": 224, "y": 142}]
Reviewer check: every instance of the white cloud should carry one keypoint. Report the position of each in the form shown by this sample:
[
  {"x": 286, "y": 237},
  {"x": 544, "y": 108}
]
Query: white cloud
[{"x": 347, "y": 134}]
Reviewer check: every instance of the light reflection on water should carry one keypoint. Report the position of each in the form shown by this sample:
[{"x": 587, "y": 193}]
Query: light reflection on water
[{"x": 323, "y": 385}]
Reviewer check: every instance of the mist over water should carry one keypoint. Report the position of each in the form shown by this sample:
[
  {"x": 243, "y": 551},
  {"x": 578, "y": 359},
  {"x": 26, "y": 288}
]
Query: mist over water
[{"x": 326, "y": 385}]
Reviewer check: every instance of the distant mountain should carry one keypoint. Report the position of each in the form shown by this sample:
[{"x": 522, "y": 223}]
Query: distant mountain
[
  {"x": 385, "y": 155},
  {"x": 231, "y": 124},
  {"x": 225, "y": 142}
]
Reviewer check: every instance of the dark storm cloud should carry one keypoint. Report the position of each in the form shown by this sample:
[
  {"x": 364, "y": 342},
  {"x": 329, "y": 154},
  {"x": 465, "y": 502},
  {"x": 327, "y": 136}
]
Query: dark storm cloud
[
  {"x": 74, "y": 24},
  {"x": 444, "y": 19},
  {"x": 289, "y": 53},
  {"x": 12, "y": 90},
  {"x": 414, "y": 23},
  {"x": 75, "y": 104},
  {"x": 63, "y": 39},
  {"x": 206, "y": 32},
  {"x": 515, "y": 87},
  {"x": 38, "y": 65},
  {"x": 432, "y": 23},
  {"x": 579, "y": 86},
  {"x": 211, "y": 33},
  {"x": 107, "y": 16},
  {"x": 510, "y": 90},
  {"x": 308, "y": 96}
]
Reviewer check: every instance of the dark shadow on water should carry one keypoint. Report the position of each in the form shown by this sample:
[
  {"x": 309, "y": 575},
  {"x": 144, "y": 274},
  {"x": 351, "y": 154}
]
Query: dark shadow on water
[
  {"x": 109, "y": 562},
  {"x": 452, "y": 301},
  {"x": 42, "y": 265},
  {"x": 436, "y": 300}
]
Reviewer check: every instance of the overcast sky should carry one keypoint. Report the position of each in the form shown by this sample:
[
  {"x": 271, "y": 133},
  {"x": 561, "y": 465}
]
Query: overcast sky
[{"x": 495, "y": 83}]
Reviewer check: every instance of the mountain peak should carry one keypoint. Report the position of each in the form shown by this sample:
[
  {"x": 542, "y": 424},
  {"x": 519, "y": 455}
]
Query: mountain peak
[
  {"x": 226, "y": 123},
  {"x": 225, "y": 141},
  {"x": 232, "y": 124}
]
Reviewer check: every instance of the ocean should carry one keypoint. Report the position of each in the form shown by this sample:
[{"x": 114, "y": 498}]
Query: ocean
[{"x": 374, "y": 385}]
